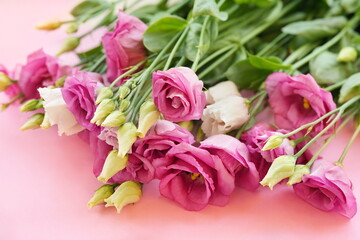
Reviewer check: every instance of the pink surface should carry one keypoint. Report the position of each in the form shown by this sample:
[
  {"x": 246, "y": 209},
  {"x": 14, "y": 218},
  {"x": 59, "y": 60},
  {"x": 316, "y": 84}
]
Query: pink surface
[{"x": 47, "y": 180}]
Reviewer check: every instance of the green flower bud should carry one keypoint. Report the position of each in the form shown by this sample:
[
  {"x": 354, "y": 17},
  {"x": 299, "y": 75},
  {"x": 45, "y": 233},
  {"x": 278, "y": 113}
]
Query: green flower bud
[
  {"x": 72, "y": 28},
  {"x": 127, "y": 193},
  {"x": 69, "y": 45},
  {"x": 104, "y": 93},
  {"x": 148, "y": 116},
  {"x": 31, "y": 105},
  {"x": 189, "y": 125},
  {"x": 49, "y": 26},
  {"x": 282, "y": 167},
  {"x": 273, "y": 142},
  {"x": 106, "y": 107},
  {"x": 34, "y": 122},
  {"x": 45, "y": 123},
  {"x": 113, "y": 164},
  {"x": 200, "y": 135},
  {"x": 101, "y": 194},
  {"x": 124, "y": 91},
  {"x": 124, "y": 104},
  {"x": 5, "y": 81},
  {"x": 60, "y": 82},
  {"x": 347, "y": 54},
  {"x": 299, "y": 171},
  {"x": 126, "y": 136},
  {"x": 115, "y": 119}
]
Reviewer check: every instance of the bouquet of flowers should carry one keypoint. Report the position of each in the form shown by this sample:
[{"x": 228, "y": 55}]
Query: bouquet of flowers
[{"x": 204, "y": 96}]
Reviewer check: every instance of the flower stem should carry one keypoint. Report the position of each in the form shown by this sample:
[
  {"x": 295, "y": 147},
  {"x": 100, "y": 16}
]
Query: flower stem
[
  {"x": 352, "y": 139},
  {"x": 127, "y": 73},
  {"x": 216, "y": 54},
  {"x": 271, "y": 44},
  {"x": 176, "y": 47},
  {"x": 300, "y": 52},
  {"x": 335, "y": 86},
  {"x": 201, "y": 42}
]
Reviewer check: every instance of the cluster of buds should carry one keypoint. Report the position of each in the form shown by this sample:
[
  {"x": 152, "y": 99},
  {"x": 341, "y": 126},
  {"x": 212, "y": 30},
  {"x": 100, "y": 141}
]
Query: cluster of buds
[{"x": 127, "y": 193}]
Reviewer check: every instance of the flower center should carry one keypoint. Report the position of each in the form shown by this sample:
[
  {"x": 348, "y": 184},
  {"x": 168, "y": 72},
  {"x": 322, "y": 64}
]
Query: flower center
[
  {"x": 306, "y": 103},
  {"x": 195, "y": 176}
]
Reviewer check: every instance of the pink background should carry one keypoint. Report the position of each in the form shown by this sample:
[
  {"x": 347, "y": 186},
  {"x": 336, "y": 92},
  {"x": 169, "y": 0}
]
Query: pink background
[{"x": 46, "y": 180}]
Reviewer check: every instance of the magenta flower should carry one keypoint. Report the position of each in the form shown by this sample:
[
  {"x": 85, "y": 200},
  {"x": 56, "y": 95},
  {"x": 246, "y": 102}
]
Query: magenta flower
[
  {"x": 195, "y": 178},
  {"x": 41, "y": 70},
  {"x": 79, "y": 94},
  {"x": 123, "y": 46},
  {"x": 235, "y": 156},
  {"x": 147, "y": 160},
  {"x": 328, "y": 188},
  {"x": 178, "y": 94},
  {"x": 255, "y": 139},
  {"x": 298, "y": 100}
]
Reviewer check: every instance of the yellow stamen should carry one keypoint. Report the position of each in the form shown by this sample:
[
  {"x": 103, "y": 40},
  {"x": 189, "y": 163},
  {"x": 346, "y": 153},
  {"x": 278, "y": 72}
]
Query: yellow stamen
[
  {"x": 194, "y": 176},
  {"x": 306, "y": 103}
]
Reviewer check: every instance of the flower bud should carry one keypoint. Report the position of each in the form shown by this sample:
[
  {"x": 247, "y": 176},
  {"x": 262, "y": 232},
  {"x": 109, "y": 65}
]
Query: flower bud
[
  {"x": 299, "y": 171},
  {"x": 347, "y": 54},
  {"x": 113, "y": 164},
  {"x": 5, "y": 81},
  {"x": 33, "y": 122},
  {"x": 114, "y": 119},
  {"x": 104, "y": 93},
  {"x": 148, "y": 116},
  {"x": 69, "y": 45},
  {"x": 188, "y": 125},
  {"x": 200, "y": 135},
  {"x": 31, "y": 105},
  {"x": 124, "y": 104},
  {"x": 46, "y": 122},
  {"x": 49, "y": 26},
  {"x": 101, "y": 194},
  {"x": 273, "y": 142},
  {"x": 127, "y": 193},
  {"x": 282, "y": 167},
  {"x": 60, "y": 82},
  {"x": 106, "y": 107},
  {"x": 124, "y": 91},
  {"x": 126, "y": 137},
  {"x": 72, "y": 28}
]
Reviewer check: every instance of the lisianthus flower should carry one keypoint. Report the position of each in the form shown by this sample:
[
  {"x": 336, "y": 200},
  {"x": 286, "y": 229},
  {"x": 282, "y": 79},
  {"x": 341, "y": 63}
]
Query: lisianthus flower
[
  {"x": 79, "y": 94},
  {"x": 328, "y": 188},
  {"x": 221, "y": 91},
  {"x": 298, "y": 100},
  {"x": 195, "y": 178},
  {"x": 123, "y": 46},
  {"x": 235, "y": 157},
  {"x": 57, "y": 112},
  {"x": 178, "y": 94},
  {"x": 109, "y": 135},
  {"x": 41, "y": 70},
  {"x": 225, "y": 115},
  {"x": 255, "y": 139},
  {"x": 147, "y": 160}
]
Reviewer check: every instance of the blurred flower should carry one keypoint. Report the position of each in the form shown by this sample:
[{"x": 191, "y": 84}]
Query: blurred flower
[
  {"x": 327, "y": 188},
  {"x": 5, "y": 81},
  {"x": 225, "y": 115},
  {"x": 178, "y": 94},
  {"x": 235, "y": 156},
  {"x": 221, "y": 91},
  {"x": 298, "y": 100},
  {"x": 57, "y": 112},
  {"x": 49, "y": 26},
  {"x": 347, "y": 54},
  {"x": 123, "y": 46},
  {"x": 195, "y": 178}
]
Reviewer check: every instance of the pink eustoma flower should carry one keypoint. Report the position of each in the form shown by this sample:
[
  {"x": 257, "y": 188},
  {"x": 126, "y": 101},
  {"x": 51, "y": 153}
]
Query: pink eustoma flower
[
  {"x": 255, "y": 139},
  {"x": 79, "y": 94},
  {"x": 123, "y": 46},
  {"x": 178, "y": 94},
  {"x": 298, "y": 100},
  {"x": 147, "y": 160},
  {"x": 328, "y": 188},
  {"x": 41, "y": 70},
  {"x": 235, "y": 157},
  {"x": 195, "y": 178}
]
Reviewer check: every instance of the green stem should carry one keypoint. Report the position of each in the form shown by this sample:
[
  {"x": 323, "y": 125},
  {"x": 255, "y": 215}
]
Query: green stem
[
  {"x": 127, "y": 73},
  {"x": 139, "y": 103},
  {"x": 97, "y": 63},
  {"x": 201, "y": 42},
  {"x": 216, "y": 54},
  {"x": 271, "y": 44},
  {"x": 352, "y": 139},
  {"x": 181, "y": 61},
  {"x": 176, "y": 47},
  {"x": 300, "y": 52},
  {"x": 335, "y": 86}
]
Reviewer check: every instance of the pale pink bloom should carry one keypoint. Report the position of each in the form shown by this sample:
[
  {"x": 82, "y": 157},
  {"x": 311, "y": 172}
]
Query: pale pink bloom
[{"x": 221, "y": 91}]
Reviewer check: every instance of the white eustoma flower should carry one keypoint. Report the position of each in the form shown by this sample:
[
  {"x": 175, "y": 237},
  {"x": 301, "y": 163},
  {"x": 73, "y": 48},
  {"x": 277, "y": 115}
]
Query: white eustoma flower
[
  {"x": 57, "y": 112},
  {"x": 225, "y": 115},
  {"x": 221, "y": 91}
]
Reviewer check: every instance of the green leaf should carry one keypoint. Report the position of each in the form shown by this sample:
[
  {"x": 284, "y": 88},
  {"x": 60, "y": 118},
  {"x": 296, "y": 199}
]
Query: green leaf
[
  {"x": 246, "y": 76},
  {"x": 350, "y": 6},
  {"x": 351, "y": 88},
  {"x": 316, "y": 29},
  {"x": 162, "y": 31},
  {"x": 260, "y": 3},
  {"x": 208, "y": 7},
  {"x": 327, "y": 70},
  {"x": 86, "y": 6},
  {"x": 268, "y": 63}
]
